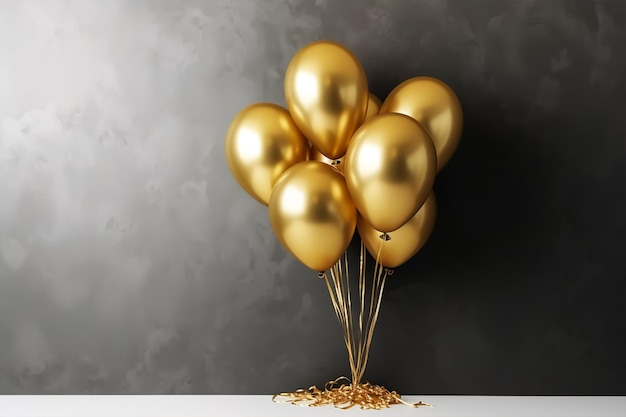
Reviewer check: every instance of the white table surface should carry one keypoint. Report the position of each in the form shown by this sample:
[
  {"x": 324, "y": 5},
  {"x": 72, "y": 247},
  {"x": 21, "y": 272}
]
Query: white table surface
[{"x": 262, "y": 406}]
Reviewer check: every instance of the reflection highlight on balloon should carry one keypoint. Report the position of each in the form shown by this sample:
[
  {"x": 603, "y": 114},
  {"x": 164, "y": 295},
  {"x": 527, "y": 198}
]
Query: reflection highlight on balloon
[{"x": 249, "y": 145}]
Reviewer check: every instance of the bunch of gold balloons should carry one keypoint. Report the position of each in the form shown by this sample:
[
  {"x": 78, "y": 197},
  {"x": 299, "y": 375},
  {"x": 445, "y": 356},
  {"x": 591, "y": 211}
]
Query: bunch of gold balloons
[{"x": 337, "y": 159}]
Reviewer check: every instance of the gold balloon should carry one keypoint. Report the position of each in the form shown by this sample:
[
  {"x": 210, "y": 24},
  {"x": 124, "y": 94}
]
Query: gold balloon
[
  {"x": 404, "y": 242},
  {"x": 432, "y": 103},
  {"x": 326, "y": 93},
  {"x": 261, "y": 143},
  {"x": 373, "y": 106},
  {"x": 315, "y": 155},
  {"x": 312, "y": 214},
  {"x": 390, "y": 169}
]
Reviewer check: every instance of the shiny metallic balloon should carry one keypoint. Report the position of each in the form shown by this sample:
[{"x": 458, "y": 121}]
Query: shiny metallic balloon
[
  {"x": 390, "y": 169},
  {"x": 327, "y": 96},
  {"x": 432, "y": 103},
  {"x": 373, "y": 106},
  {"x": 403, "y": 243},
  {"x": 312, "y": 214},
  {"x": 261, "y": 143}
]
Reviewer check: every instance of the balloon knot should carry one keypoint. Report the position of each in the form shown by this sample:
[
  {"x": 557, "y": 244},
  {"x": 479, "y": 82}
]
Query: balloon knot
[
  {"x": 389, "y": 271},
  {"x": 385, "y": 237},
  {"x": 321, "y": 274}
]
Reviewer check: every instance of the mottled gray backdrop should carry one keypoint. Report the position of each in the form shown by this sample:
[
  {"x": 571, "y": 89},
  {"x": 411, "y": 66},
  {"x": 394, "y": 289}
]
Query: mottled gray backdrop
[{"x": 131, "y": 262}]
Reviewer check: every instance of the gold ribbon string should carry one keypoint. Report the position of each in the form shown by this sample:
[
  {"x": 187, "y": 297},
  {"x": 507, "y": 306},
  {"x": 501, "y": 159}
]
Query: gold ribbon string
[
  {"x": 374, "y": 308},
  {"x": 338, "y": 296},
  {"x": 344, "y": 392},
  {"x": 362, "y": 289}
]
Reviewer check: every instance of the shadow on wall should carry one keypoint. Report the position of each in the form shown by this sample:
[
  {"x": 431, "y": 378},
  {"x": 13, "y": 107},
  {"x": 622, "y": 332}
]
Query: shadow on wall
[
  {"x": 521, "y": 275},
  {"x": 488, "y": 198},
  {"x": 533, "y": 159}
]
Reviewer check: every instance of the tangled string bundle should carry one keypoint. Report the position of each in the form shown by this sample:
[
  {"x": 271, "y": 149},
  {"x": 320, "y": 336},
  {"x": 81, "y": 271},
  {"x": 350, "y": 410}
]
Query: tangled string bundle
[{"x": 342, "y": 393}]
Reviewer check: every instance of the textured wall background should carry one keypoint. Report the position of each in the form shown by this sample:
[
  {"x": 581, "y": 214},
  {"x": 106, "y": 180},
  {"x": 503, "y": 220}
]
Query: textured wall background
[{"x": 131, "y": 262}]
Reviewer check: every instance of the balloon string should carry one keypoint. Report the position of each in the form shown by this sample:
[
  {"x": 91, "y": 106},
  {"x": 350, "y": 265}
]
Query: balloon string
[
  {"x": 344, "y": 392},
  {"x": 362, "y": 289},
  {"x": 345, "y": 286},
  {"x": 341, "y": 294},
  {"x": 373, "y": 322},
  {"x": 351, "y": 331},
  {"x": 374, "y": 308}
]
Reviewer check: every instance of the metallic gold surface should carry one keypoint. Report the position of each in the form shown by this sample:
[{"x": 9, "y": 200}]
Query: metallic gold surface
[
  {"x": 404, "y": 242},
  {"x": 373, "y": 106},
  {"x": 357, "y": 338},
  {"x": 315, "y": 155},
  {"x": 432, "y": 103},
  {"x": 261, "y": 143},
  {"x": 312, "y": 214},
  {"x": 326, "y": 93},
  {"x": 390, "y": 169}
]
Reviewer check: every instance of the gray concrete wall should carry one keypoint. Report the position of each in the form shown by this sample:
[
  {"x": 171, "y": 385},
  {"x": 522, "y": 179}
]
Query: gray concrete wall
[{"x": 131, "y": 262}]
